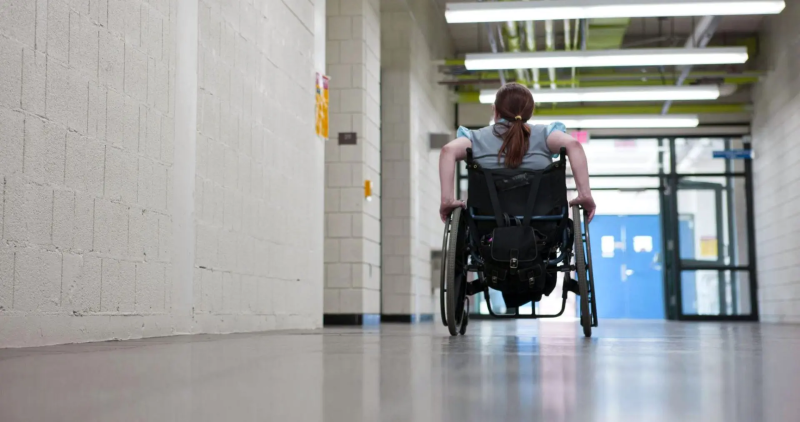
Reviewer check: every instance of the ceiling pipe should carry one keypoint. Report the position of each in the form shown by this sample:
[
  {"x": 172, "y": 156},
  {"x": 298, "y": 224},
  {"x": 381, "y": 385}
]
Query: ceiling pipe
[
  {"x": 530, "y": 45},
  {"x": 513, "y": 45},
  {"x": 568, "y": 45},
  {"x": 699, "y": 39},
  {"x": 584, "y": 33},
  {"x": 549, "y": 44},
  {"x": 575, "y": 45},
  {"x": 493, "y": 45}
]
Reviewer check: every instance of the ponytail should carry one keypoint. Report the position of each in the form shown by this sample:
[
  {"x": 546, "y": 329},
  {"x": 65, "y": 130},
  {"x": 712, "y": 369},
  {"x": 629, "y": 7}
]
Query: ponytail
[
  {"x": 515, "y": 144},
  {"x": 514, "y": 103}
]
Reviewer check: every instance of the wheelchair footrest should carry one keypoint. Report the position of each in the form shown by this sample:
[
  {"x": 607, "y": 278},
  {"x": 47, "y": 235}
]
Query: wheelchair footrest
[
  {"x": 474, "y": 287},
  {"x": 572, "y": 286}
]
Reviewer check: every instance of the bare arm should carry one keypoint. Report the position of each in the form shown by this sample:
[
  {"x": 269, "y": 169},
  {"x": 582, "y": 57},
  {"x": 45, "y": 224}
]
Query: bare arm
[
  {"x": 580, "y": 168},
  {"x": 454, "y": 151}
]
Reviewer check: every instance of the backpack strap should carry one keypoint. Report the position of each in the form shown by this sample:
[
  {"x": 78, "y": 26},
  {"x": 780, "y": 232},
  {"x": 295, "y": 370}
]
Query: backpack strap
[
  {"x": 532, "y": 194},
  {"x": 498, "y": 214}
]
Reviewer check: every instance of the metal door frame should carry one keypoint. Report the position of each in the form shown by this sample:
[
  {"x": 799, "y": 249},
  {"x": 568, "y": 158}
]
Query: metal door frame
[{"x": 674, "y": 266}]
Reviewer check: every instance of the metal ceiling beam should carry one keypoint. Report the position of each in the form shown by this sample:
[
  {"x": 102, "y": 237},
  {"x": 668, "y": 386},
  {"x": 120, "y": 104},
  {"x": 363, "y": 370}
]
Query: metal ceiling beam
[{"x": 700, "y": 37}]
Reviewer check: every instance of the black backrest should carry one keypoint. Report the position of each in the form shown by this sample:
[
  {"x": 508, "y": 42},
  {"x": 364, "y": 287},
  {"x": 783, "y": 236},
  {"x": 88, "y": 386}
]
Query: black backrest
[{"x": 512, "y": 191}]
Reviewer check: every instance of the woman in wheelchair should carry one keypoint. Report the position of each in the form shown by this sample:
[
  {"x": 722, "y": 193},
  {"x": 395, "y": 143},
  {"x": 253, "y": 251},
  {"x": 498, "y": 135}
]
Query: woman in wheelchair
[
  {"x": 516, "y": 234},
  {"x": 513, "y": 143}
]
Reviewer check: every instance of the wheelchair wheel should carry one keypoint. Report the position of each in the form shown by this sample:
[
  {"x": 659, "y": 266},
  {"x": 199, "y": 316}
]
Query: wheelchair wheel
[
  {"x": 592, "y": 292},
  {"x": 443, "y": 273},
  {"x": 455, "y": 274},
  {"x": 580, "y": 268}
]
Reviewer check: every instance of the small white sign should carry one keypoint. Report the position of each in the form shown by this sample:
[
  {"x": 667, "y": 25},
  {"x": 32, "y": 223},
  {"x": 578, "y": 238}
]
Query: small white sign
[
  {"x": 643, "y": 244},
  {"x": 607, "y": 246}
]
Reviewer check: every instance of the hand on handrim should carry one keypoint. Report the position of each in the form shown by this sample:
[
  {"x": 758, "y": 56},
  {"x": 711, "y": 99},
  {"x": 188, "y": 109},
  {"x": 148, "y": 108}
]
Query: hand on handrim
[
  {"x": 449, "y": 205},
  {"x": 587, "y": 202}
]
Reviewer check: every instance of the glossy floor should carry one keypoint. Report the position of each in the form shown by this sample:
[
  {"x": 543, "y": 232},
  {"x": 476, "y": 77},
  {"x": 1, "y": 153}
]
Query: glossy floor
[{"x": 500, "y": 371}]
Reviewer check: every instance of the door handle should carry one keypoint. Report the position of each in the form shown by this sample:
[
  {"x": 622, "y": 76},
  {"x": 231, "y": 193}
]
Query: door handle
[{"x": 624, "y": 272}]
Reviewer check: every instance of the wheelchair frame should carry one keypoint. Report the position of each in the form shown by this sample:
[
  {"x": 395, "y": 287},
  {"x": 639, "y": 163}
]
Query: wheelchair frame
[{"x": 459, "y": 258}]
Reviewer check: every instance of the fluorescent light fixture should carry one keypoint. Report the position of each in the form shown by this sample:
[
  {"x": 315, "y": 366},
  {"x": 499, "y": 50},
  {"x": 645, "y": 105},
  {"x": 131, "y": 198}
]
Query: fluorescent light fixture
[
  {"x": 607, "y": 58},
  {"x": 638, "y": 121},
  {"x": 589, "y": 9},
  {"x": 633, "y": 93}
]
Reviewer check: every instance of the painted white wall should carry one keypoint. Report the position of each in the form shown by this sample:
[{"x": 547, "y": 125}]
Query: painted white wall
[
  {"x": 776, "y": 170},
  {"x": 142, "y": 194}
]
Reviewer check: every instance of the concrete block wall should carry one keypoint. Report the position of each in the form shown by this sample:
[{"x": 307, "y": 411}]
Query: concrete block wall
[
  {"x": 413, "y": 107},
  {"x": 352, "y": 224},
  {"x": 397, "y": 293},
  {"x": 258, "y": 238},
  {"x": 85, "y": 162},
  {"x": 776, "y": 169},
  {"x": 433, "y": 112},
  {"x": 89, "y": 162}
]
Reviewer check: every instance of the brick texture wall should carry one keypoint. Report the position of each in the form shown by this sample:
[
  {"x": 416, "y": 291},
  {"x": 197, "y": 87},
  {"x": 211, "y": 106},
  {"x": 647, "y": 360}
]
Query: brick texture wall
[
  {"x": 776, "y": 169},
  {"x": 85, "y": 159},
  {"x": 87, "y": 99}
]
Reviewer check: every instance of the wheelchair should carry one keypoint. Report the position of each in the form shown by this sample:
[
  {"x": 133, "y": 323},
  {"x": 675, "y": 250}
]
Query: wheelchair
[{"x": 516, "y": 235}]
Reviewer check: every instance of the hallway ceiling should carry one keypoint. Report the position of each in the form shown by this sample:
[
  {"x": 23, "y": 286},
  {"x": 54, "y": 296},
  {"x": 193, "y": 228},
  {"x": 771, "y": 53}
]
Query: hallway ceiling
[
  {"x": 471, "y": 37},
  {"x": 637, "y": 33}
]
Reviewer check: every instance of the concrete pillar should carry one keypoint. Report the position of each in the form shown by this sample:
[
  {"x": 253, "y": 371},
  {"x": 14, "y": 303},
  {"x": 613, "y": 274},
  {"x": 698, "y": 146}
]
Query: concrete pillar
[
  {"x": 776, "y": 105},
  {"x": 352, "y": 224},
  {"x": 413, "y": 107}
]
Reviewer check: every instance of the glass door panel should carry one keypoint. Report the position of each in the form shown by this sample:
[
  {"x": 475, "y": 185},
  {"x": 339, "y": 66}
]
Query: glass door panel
[{"x": 715, "y": 292}]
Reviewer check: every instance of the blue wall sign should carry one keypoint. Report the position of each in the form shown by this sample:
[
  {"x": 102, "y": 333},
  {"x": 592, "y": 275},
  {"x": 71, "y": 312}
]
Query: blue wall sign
[{"x": 735, "y": 154}]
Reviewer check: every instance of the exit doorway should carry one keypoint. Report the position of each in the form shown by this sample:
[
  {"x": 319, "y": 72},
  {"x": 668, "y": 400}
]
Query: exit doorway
[{"x": 673, "y": 235}]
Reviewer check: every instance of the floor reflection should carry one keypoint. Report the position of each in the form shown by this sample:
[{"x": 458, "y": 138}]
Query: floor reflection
[{"x": 500, "y": 371}]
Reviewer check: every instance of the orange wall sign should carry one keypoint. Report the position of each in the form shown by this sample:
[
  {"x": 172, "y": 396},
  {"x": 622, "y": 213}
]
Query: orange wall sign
[{"x": 322, "y": 105}]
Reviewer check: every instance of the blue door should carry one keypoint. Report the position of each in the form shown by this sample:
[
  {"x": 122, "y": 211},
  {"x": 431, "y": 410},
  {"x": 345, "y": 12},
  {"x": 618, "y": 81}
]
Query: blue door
[{"x": 627, "y": 268}]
